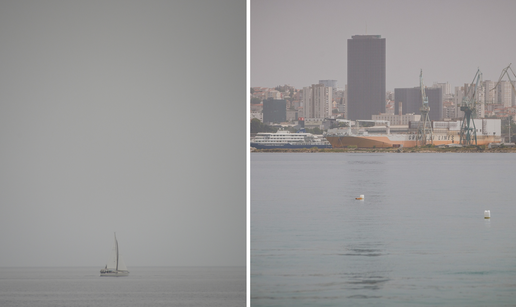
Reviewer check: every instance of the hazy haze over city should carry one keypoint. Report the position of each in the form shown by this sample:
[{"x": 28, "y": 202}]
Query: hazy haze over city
[
  {"x": 299, "y": 42},
  {"x": 107, "y": 115}
]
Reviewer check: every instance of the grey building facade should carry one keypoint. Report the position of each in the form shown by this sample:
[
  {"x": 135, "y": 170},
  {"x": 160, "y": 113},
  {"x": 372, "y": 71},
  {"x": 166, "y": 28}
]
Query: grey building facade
[
  {"x": 274, "y": 110},
  {"x": 411, "y": 101},
  {"x": 366, "y": 76}
]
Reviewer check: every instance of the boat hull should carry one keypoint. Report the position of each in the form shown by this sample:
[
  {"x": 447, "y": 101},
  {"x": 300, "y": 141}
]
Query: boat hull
[
  {"x": 401, "y": 140},
  {"x": 114, "y": 273}
]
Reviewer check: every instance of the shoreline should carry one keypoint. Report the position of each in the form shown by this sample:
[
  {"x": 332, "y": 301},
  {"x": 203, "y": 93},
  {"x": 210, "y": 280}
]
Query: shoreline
[{"x": 468, "y": 149}]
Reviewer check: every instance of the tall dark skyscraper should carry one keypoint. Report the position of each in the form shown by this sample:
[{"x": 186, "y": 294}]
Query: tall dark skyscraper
[{"x": 366, "y": 76}]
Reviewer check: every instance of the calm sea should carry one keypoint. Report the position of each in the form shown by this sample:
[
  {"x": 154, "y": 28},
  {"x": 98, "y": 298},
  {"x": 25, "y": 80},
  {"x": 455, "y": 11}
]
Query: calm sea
[
  {"x": 418, "y": 239},
  {"x": 152, "y": 286}
]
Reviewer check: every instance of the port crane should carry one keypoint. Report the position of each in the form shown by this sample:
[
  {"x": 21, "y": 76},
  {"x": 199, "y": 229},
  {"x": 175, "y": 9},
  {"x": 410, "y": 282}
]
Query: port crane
[
  {"x": 424, "y": 130},
  {"x": 468, "y": 131},
  {"x": 505, "y": 72}
]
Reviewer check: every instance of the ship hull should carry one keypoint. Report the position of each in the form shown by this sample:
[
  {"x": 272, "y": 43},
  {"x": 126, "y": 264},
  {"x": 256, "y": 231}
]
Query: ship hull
[
  {"x": 401, "y": 140},
  {"x": 288, "y": 146}
]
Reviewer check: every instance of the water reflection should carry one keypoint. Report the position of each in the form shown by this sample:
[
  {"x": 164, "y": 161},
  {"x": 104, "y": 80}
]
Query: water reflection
[
  {"x": 487, "y": 223},
  {"x": 364, "y": 249},
  {"x": 367, "y": 268},
  {"x": 366, "y": 162},
  {"x": 368, "y": 282}
]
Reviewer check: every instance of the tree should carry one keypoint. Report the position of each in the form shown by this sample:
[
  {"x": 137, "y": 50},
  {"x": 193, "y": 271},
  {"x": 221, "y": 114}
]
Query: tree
[
  {"x": 315, "y": 130},
  {"x": 252, "y": 90},
  {"x": 258, "y": 126}
]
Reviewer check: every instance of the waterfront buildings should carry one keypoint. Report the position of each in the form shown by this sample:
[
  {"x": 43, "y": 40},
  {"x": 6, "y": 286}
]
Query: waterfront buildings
[{"x": 366, "y": 76}]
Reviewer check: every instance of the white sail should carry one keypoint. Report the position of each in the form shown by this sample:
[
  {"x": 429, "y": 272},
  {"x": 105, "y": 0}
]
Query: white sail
[
  {"x": 111, "y": 264},
  {"x": 121, "y": 264},
  {"x": 115, "y": 265}
]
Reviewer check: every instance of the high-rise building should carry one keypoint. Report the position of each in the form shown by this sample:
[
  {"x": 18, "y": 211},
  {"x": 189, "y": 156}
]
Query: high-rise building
[
  {"x": 306, "y": 98},
  {"x": 332, "y": 84},
  {"x": 366, "y": 76},
  {"x": 490, "y": 92},
  {"x": 513, "y": 88},
  {"x": 504, "y": 91},
  {"x": 411, "y": 101},
  {"x": 458, "y": 97},
  {"x": 319, "y": 103},
  {"x": 445, "y": 86}
]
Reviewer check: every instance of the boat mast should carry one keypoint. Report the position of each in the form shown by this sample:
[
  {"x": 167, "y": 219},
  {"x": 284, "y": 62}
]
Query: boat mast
[{"x": 116, "y": 249}]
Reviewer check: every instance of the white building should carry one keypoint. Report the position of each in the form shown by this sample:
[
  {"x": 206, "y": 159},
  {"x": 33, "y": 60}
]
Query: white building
[
  {"x": 306, "y": 97},
  {"x": 330, "y": 83},
  {"x": 513, "y": 100},
  {"x": 481, "y": 102},
  {"x": 314, "y": 123},
  {"x": 504, "y": 93},
  {"x": 319, "y": 102},
  {"x": 459, "y": 95},
  {"x": 257, "y": 116},
  {"x": 449, "y": 111},
  {"x": 274, "y": 94},
  {"x": 445, "y": 86},
  {"x": 490, "y": 93}
]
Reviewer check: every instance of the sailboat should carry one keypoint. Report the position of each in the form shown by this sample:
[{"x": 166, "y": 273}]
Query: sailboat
[{"x": 116, "y": 266}]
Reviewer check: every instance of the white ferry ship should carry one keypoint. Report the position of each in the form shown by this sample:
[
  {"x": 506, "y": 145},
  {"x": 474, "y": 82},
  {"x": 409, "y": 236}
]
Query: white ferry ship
[{"x": 286, "y": 139}]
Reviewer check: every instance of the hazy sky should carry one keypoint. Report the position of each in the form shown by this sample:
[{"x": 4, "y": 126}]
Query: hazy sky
[
  {"x": 299, "y": 42},
  {"x": 114, "y": 116}
]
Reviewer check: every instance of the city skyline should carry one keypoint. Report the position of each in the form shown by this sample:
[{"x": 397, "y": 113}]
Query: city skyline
[{"x": 299, "y": 42}]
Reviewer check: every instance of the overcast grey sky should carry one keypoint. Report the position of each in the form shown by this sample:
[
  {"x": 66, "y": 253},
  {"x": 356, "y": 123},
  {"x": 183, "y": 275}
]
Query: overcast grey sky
[
  {"x": 299, "y": 42},
  {"x": 114, "y": 116}
]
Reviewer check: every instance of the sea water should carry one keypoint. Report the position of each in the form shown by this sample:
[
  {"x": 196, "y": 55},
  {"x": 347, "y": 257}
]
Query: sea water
[
  {"x": 419, "y": 238},
  {"x": 145, "y": 286}
]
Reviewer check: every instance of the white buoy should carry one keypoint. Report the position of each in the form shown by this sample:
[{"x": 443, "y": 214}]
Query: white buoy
[
  {"x": 360, "y": 198},
  {"x": 487, "y": 214}
]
